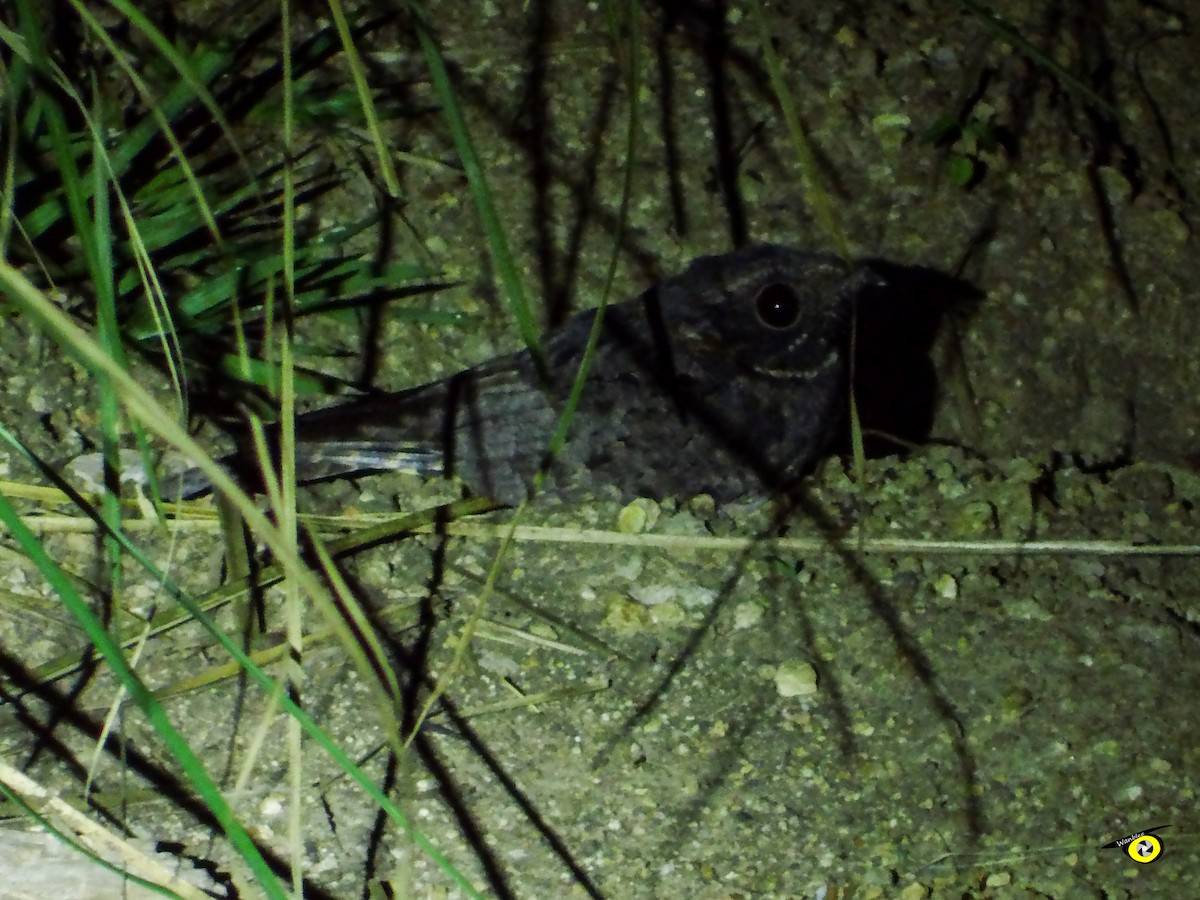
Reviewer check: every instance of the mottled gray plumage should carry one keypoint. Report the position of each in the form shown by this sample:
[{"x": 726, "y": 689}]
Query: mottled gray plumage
[{"x": 728, "y": 378}]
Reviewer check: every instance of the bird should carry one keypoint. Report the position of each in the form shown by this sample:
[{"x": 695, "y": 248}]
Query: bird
[{"x": 729, "y": 378}]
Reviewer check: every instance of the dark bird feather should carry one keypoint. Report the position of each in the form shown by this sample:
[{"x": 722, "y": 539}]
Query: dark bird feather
[{"x": 726, "y": 379}]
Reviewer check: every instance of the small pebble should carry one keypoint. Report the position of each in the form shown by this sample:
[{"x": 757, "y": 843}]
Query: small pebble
[
  {"x": 638, "y": 516},
  {"x": 747, "y": 615},
  {"x": 796, "y": 678},
  {"x": 624, "y": 616},
  {"x": 947, "y": 587}
]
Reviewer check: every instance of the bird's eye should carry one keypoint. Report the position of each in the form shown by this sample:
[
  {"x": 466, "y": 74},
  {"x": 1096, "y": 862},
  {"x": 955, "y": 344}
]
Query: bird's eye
[{"x": 777, "y": 306}]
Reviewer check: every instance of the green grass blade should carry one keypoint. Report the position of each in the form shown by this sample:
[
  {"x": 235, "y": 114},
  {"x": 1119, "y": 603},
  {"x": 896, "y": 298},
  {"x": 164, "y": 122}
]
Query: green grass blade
[
  {"x": 506, "y": 268},
  {"x": 58, "y": 326},
  {"x": 814, "y": 190},
  {"x": 193, "y": 769},
  {"x": 359, "y": 73},
  {"x": 197, "y": 611}
]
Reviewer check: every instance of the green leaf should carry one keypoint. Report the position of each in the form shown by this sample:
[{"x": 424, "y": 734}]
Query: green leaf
[{"x": 961, "y": 169}]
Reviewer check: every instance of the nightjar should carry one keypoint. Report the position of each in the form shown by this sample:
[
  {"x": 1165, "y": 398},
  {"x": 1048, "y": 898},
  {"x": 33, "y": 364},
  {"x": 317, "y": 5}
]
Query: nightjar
[{"x": 729, "y": 378}]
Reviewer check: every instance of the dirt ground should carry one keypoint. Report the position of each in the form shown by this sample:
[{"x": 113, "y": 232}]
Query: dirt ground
[{"x": 720, "y": 715}]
